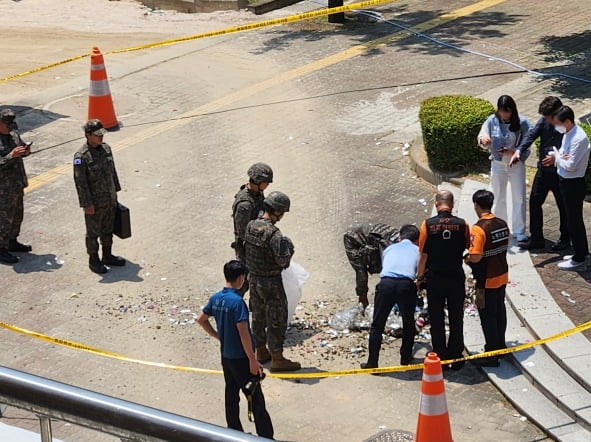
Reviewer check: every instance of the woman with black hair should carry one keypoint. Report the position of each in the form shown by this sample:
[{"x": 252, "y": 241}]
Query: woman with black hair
[{"x": 501, "y": 133}]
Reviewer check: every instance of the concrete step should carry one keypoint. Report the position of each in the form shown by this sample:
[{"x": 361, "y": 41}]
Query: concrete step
[
  {"x": 524, "y": 395},
  {"x": 548, "y": 384}
]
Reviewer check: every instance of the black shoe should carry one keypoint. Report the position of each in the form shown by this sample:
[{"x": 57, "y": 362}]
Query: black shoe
[
  {"x": 406, "y": 361},
  {"x": 7, "y": 258},
  {"x": 532, "y": 245},
  {"x": 95, "y": 264},
  {"x": 15, "y": 246},
  {"x": 112, "y": 260},
  {"x": 560, "y": 245},
  {"x": 366, "y": 365},
  {"x": 486, "y": 362}
]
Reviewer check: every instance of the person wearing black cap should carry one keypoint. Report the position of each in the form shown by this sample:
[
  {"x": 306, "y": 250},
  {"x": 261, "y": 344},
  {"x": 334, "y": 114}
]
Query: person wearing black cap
[
  {"x": 97, "y": 185},
  {"x": 13, "y": 180}
]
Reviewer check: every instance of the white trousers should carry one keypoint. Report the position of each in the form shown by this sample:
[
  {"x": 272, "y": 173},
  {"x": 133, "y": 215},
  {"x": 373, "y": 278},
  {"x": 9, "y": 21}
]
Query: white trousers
[{"x": 501, "y": 175}]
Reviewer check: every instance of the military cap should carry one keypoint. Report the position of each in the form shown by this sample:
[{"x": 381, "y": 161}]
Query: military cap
[
  {"x": 94, "y": 127},
  {"x": 7, "y": 116}
]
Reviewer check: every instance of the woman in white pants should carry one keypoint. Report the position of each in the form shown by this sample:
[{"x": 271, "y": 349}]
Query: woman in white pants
[{"x": 501, "y": 133}]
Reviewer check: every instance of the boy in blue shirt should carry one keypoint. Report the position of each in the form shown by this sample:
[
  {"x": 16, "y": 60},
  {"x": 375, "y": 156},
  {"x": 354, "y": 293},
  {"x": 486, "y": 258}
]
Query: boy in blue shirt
[{"x": 237, "y": 346}]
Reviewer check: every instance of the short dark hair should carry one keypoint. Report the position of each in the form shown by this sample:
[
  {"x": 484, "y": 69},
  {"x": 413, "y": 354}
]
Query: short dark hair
[
  {"x": 549, "y": 105},
  {"x": 234, "y": 269},
  {"x": 564, "y": 113},
  {"x": 484, "y": 199},
  {"x": 410, "y": 232}
]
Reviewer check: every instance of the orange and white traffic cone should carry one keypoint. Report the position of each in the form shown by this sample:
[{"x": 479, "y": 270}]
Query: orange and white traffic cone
[
  {"x": 100, "y": 103},
  {"x": 433, "y": 424}
]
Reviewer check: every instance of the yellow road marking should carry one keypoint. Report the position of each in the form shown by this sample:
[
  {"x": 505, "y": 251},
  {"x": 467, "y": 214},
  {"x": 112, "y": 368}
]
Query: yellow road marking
[{"x": 249, "y": 91}]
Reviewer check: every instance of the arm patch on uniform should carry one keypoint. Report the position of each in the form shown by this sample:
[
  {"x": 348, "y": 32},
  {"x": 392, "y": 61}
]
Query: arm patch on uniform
[{"x": 77, "y": 161}]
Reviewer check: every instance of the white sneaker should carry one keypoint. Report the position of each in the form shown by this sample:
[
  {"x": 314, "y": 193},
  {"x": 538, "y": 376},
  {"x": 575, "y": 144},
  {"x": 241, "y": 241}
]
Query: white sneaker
[
  {"x": 573, "y": 266},
  {"x": 570, "y": 257}
]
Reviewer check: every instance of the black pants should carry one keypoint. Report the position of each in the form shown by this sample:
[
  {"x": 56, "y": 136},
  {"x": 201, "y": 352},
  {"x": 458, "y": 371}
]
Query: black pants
[
  {"x": 390, "y": 291},
  {"x": 493, "y": 318},
  {"x": 546, "y": 180},
  {"x": 447, "y": 289},
  {"x": 237, "y": 374},
  {"x": 573, "y": 194}
]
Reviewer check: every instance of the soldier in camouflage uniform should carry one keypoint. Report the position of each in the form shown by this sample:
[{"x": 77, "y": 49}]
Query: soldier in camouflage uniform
[
  {"x": 248, "y": 205},
  {"x": 268, "y": 252},
  {"x": 97, "y": 185},
  {"x": 13, "y": 180},
  {"x": 364, "y": 245}
]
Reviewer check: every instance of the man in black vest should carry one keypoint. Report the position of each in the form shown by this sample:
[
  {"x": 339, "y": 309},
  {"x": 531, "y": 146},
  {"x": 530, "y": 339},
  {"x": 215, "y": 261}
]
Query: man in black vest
[{"x": 443, "y": 239}]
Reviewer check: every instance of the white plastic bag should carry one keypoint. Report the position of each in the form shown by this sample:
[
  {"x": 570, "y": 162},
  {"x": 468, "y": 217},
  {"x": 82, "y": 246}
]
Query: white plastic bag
[{"x": 294, "y": 277}]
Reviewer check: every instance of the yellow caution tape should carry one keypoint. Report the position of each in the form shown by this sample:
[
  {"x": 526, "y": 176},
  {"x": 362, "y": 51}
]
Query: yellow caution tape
[
  {"x": 299, "y": 375},
  {"x": 231, "y": 30}
]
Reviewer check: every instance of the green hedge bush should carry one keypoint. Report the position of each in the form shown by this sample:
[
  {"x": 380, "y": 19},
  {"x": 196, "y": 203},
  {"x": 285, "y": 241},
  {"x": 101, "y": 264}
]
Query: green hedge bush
[
  {"x": 450, "y": 126},
  {"x": 587, "y": 128}
]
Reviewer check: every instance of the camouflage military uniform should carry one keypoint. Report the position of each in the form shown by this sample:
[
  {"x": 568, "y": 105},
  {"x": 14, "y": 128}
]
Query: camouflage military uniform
[
  {"x": 364, "y": 244},
  {"x": 97, "y": 185},
  {"x": 268, "y": 252},
  {"x": 13, "y": 180},
  {"x": 248, "y": 205}
]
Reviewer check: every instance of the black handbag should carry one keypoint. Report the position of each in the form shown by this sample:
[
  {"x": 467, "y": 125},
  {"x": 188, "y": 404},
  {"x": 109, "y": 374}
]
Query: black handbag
[{"x": 122, "y": 227}]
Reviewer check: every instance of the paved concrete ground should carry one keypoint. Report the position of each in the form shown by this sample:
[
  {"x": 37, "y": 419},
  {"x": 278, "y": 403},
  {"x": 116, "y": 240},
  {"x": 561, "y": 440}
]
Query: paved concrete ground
[{"x": 334, "y": 137}]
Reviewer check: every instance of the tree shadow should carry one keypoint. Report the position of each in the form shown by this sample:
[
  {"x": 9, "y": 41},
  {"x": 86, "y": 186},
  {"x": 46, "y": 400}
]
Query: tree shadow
[
  {"x": 364, "y": 28},
  {"x": 570, "y": 56}
]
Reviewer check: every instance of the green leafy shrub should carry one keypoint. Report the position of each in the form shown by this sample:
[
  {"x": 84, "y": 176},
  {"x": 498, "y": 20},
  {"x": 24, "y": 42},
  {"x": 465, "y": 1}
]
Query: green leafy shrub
[
  {"x": 450, "y": 126},
  {"x": 587, "y": 128}
]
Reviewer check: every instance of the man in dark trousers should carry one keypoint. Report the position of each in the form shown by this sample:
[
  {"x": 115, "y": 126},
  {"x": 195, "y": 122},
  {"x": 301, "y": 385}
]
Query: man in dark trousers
[
  {"x": 443, "y": 239},
  {"x": 13, "y": 181},
  {"x": 396, "y": 286},
  {"x": 238, "y": 359},
  {"x": 364, "y": 245},
  {"x": 571, "y": 161},
  {"x": 546, "y": 179},
  {"x": 487, "y": 256},
  {"x": 97, "y": 185}
]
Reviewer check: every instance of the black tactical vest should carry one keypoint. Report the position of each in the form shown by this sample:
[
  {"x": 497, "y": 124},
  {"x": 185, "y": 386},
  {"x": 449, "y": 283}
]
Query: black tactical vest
[{"x": 446, "y": 242}]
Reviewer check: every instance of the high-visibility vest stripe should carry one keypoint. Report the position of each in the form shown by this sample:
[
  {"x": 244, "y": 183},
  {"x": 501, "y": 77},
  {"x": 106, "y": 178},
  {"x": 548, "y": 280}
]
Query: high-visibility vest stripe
[
  {"x": 99, "y": 88},
  {"x": 433, "y": 405}
]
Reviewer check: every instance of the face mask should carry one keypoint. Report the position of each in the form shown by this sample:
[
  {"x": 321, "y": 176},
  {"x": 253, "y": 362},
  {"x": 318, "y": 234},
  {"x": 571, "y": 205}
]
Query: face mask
[{"x": 560, "y": 129}]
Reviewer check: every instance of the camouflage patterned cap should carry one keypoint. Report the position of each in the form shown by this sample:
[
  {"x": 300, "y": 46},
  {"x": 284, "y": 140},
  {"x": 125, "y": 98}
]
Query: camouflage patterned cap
[
  {"x": 278, "y": 201},
  {"x": 260, "y": 173},
  {"x": 7, "y": 116},
  {"x": 94, "y": 127}
]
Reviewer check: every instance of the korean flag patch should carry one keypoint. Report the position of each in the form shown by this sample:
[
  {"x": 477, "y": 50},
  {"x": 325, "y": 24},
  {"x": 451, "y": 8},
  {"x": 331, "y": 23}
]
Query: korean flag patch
[{"x": 77, "y": 161}]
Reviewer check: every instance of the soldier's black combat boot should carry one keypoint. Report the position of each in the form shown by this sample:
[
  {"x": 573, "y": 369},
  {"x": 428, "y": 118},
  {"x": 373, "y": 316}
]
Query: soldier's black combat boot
[
  {"x": 111, "y": 260},
  {"x": 95, "y": 264},
  {"x": 6, "y": 257},
  {"x": 15, "y": 246}
]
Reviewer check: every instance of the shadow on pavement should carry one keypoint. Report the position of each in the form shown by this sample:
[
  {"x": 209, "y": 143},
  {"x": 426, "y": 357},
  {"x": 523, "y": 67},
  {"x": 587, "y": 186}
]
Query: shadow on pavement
[
  {"x": 29, "y": 118},
  {"x": 570, "y": 55},
  {"x": 31, "y": 263},
  {"x": 363, "y": 28},
  {"x": 129, "y": 272}
]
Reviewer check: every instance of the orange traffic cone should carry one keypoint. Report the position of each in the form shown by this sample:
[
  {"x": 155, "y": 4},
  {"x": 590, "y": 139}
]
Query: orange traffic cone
[
  {"x": 100, "y": 103},
  {"x": 433, "y": 424}
]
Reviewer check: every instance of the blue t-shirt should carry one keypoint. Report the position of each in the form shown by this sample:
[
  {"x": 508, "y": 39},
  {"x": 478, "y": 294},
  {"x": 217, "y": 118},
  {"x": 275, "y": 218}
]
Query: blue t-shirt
[{"x": 228, "y": 308}]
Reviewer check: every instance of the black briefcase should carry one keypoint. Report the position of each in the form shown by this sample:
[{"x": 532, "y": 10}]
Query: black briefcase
[{"x": 122, "y": 226}]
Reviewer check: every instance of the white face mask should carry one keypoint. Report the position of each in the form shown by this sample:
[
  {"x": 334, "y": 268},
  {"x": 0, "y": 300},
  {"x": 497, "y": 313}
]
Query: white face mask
[{"x": 560, "y": 129}]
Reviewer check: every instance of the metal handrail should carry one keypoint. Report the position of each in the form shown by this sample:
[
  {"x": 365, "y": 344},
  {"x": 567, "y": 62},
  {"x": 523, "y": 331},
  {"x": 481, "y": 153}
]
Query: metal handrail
[{"x": 126, "y": 420}]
